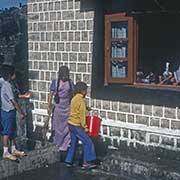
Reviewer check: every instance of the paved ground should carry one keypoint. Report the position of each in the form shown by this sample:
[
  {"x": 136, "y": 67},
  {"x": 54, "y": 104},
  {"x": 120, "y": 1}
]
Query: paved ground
[
  {"x": 134, "y": 163},
  {"x": 60, "y": 172}
]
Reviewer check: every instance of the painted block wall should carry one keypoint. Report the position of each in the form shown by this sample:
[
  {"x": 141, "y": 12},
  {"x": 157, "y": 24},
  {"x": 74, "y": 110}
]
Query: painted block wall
[{"x": 61, "y": 33}]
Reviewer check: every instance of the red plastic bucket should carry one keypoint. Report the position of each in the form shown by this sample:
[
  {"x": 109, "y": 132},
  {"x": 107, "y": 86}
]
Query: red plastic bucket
[{"x": 93, "y": 123}]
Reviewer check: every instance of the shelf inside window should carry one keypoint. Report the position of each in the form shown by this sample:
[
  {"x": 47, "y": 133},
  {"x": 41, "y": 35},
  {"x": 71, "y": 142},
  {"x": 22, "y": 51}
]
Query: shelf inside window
[
  {"x": 119, "y": 29},
  {"x": 119, "y": 49},
  {"x": 119, "y": 59},
  {"x": 119, "y": 39},
  {"x": 119, "y": 69}
]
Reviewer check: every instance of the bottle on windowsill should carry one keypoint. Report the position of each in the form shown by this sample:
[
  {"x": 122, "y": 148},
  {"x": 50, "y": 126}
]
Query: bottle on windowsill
[{"x": 166, "y": 73}]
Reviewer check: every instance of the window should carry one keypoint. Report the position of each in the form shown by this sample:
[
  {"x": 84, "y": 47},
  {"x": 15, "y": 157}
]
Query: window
[
  {"x": 120, "y": 49},
  {"x": 122, "y": 64}
]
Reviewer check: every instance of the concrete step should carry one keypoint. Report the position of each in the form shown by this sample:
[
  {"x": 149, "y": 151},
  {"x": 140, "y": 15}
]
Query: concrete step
[{"x": 38, "y": 155}]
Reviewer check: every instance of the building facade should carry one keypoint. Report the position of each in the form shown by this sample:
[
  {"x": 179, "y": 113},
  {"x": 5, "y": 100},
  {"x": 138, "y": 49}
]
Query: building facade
[{"x": 72, "y": 33}]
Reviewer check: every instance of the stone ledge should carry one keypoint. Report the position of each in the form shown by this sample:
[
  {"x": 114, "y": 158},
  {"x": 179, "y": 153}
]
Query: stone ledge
[
  {"x": 141, "y": 127},
  {"x": 36, "y": 158},
  {"x": 139, "y": 166}
]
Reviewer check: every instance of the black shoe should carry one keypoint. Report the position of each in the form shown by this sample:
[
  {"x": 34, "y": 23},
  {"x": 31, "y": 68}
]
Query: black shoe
[
  {"x": 63, "y": 156},
  {"x": 68, "y": 164},
  {"x": 89, "y": 166}
]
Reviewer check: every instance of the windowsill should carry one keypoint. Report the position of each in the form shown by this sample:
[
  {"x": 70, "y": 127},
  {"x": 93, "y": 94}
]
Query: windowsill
[
  {"x": 138, "y": 93},
  {"x": 157, "y": 86}
]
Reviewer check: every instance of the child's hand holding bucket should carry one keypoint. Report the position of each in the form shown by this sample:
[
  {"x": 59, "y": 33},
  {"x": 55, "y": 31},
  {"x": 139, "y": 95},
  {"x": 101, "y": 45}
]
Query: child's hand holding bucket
[
  {"x": 93, "y": 123},
  {"x": 89, "y": 108}
]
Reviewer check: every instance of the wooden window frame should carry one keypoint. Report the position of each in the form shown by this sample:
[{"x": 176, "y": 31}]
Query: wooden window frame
[{"x": 132, "y": 48}]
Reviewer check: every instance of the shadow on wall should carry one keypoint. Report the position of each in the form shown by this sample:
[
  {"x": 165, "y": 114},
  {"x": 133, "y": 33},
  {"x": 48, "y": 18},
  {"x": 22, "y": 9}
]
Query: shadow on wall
[
  {"x": 98, "y": 41},
  {"x": 14, "y": 51}
]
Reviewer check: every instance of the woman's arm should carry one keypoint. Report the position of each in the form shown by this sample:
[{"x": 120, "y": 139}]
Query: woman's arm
[
  {"x": 50, "y": 97},
  {"x": 25, "y": 96},
  {"x": 18, "y": 108},
  {"x": 82, "y": 111}
]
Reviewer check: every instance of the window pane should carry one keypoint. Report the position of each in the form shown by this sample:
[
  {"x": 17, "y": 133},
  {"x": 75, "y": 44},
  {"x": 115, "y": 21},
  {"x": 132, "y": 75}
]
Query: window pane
[
  {"x": 119, "y": 29},
  {"x": 119, "y": 69},
  {"x": 119, "y": 49}
]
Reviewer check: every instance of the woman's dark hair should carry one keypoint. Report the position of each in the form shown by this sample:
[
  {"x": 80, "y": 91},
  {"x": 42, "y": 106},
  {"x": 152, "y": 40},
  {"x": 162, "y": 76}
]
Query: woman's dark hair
[
  {"x": 63, "y": 74},
  {"x": 7, "y": 71},
  {"x": 79, "y": 87}
]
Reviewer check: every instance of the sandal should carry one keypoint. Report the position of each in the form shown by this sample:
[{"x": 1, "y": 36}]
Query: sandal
[
  {"x": 19, "y": 153},
  {"x": 9, "y": 157}
]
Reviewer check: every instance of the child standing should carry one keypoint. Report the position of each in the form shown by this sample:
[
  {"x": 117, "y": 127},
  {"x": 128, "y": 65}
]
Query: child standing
[
  {"x": 78, "y": 128},
  {"x": 8, "y": 115}
]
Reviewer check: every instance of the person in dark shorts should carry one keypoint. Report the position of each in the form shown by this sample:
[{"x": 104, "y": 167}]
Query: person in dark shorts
[{"x": 8, "y": 115}]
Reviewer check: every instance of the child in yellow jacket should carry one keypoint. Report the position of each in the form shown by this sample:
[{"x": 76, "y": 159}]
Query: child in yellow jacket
[{"x": 78, "y": 128}]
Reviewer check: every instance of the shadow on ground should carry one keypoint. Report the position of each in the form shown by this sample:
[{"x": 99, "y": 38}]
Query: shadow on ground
[{"x": 59, "y": 171}]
